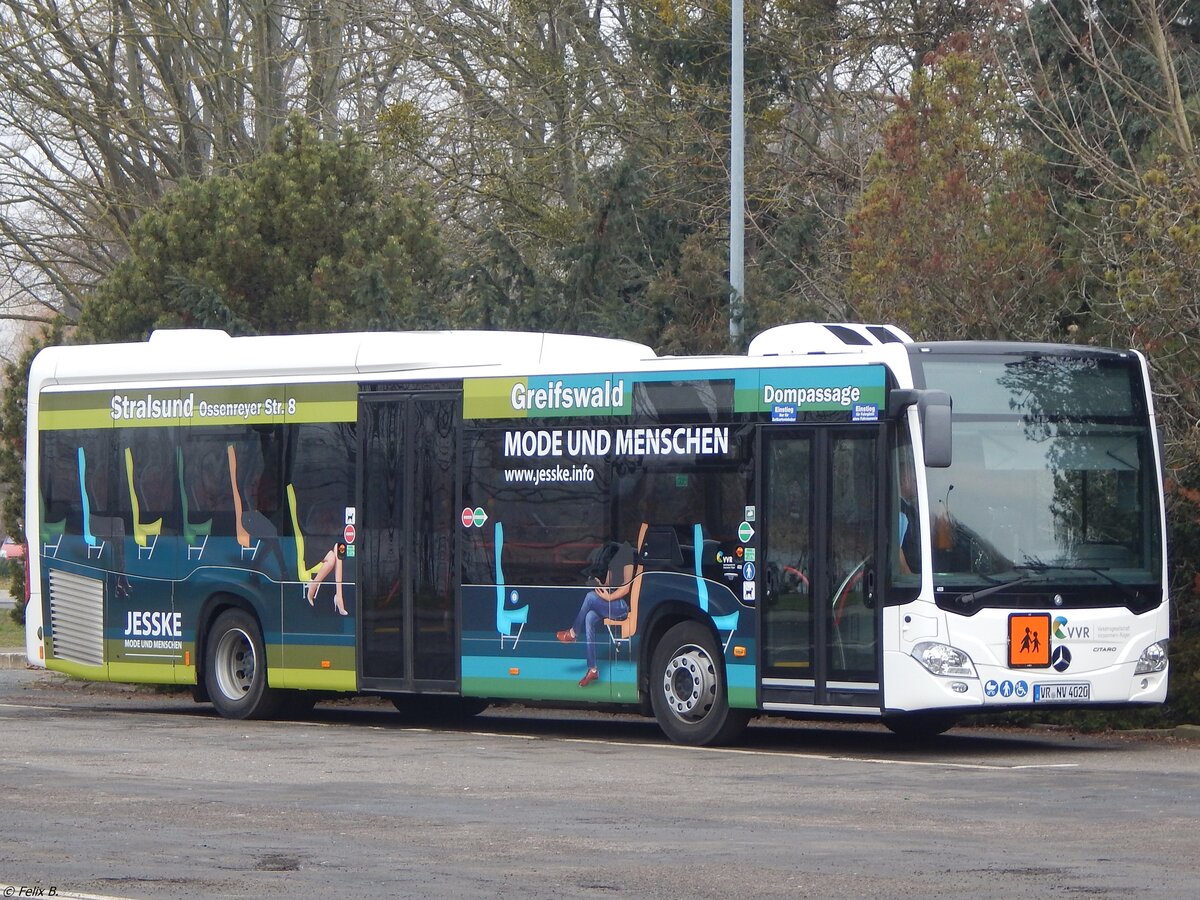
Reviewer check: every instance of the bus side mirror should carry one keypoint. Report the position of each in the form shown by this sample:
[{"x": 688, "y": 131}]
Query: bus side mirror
[{"x": 934, "y": 410}]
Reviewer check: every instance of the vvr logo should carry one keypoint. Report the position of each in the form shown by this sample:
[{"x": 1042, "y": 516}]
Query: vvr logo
[
  {"x": 1063, "y": 631},
  {"x": 1060, "y": 658}
]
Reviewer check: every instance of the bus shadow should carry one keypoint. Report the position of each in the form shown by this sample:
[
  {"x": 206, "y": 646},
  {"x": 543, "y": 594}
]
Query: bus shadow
[
  {"x": 986, "y": 745},
  {"x": 964, "y": 745},
  {"x": 983, "y": 745}
]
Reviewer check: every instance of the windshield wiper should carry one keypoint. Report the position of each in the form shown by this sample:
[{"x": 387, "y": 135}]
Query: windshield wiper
[
  {"x": 971, "y": 597},
  {"x": 1128, "y": 592}
]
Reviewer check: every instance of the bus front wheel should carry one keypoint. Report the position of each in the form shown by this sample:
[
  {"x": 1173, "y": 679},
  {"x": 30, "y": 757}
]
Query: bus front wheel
[
  {"x": 688, "y": 691},
  {"x": 235, "y": 670}
]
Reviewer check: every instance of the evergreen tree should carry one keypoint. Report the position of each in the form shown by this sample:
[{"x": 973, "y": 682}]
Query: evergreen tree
[{"x": 300, "y": 240}]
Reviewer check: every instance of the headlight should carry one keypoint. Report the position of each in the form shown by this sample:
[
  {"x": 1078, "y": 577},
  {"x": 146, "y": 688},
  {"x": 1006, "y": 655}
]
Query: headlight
[
  {"x": 1153, "y": 659},
  {"x": 942, "y": 659}
]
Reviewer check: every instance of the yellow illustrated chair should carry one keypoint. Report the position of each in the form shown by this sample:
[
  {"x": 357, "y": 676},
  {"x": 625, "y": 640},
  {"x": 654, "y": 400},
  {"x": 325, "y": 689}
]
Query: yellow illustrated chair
[
  {"x": 144, "y": 533},
  {"x": 303, "y": 572}
]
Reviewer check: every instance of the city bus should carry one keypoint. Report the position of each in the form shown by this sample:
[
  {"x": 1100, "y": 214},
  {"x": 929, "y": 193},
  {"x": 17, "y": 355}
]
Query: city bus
[{"x": 840, "y": 523}]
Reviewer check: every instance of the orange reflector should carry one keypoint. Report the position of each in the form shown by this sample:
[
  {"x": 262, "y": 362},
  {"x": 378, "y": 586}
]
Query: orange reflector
[
  {"x": 514, "y": 671},
  {"x": 326, "y": 664},
  {"x": 187, "y": 657},
  {"x": 739, "y": 651},
  {"x": 41, "y": 652}
]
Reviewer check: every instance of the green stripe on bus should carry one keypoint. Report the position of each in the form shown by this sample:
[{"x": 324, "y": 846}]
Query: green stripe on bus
[
  {"x": 151, "y": 673},
  {"x": 280, "y": 404},
  {"x": 77, "y": 409},
  {"x": 490, "y": 398},
  {"x": 545, "y": 679},
  {"x": 339, "y": 680},
  {"x": 77, "y": 670}
]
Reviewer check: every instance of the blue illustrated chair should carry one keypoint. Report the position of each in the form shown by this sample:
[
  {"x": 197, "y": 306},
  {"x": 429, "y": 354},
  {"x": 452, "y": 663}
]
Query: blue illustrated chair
[
  {"x": 506, "y": 618},
  {"x": 93, "y": 543},
  {"x": 727, "y": 623}
]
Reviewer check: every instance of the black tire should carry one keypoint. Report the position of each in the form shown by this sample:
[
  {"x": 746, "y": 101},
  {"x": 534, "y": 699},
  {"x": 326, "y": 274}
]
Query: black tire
[
  {"x": 687, "y": 689},
  {"x": 920, "y": 726},
  {"x": 235, "y": 668}
]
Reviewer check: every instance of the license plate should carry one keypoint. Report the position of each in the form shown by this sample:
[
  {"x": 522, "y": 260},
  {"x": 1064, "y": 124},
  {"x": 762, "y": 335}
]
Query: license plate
[{"x": 1061, "y": 693}]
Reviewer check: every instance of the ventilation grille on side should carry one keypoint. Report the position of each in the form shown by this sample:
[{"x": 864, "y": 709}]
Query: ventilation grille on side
[{"x": 77, "y": 617}]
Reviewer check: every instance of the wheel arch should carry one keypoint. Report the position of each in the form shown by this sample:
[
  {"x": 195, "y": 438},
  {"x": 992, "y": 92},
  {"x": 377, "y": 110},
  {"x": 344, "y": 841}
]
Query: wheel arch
[{"x": 215, "y": 604}]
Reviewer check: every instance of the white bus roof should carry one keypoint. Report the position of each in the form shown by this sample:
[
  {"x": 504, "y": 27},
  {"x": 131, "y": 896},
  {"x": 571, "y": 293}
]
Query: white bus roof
[{"x": 214, "y": 355}]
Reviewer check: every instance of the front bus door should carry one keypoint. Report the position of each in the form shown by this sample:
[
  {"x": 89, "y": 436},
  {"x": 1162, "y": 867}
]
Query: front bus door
[
  {"x": 405, "y": 567},
  {"x": 820, "y": 626}
]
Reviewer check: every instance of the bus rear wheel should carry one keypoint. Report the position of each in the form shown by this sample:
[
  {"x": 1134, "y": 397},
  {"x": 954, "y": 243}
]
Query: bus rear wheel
[
  {"x": 688, "y": 690},
  {"x": 235, "y": 668}
]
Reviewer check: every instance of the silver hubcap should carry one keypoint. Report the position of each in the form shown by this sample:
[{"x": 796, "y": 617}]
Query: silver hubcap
[
  {"x": 235, "y": 664},
  {"x": 690, "y": 683}
]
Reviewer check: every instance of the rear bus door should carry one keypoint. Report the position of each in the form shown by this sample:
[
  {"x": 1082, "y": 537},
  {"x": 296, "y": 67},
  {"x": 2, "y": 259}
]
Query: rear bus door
[{"x": 406, "y": 574}]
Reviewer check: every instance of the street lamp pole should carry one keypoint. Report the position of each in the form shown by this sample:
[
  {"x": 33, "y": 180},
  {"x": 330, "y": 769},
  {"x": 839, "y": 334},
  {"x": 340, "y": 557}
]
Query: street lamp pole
[{"x": 737, "y": 187}]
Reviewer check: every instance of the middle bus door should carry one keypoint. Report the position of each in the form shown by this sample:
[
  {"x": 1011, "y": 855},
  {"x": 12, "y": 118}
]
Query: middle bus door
[
  {"x": 818, "y": 506},
  {"x": 406, "y": 581}
]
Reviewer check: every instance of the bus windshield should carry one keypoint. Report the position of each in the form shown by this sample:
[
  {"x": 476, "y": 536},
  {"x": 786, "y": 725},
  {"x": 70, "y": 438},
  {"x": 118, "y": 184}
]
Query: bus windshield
[{"x": 1053, "y": 481}]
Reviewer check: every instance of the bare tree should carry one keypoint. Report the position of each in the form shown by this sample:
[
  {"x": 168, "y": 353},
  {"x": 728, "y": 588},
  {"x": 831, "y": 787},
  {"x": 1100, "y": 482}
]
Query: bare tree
[
  {"x": 107, "y": 104},
  {"x": 1108, "y": 88}
]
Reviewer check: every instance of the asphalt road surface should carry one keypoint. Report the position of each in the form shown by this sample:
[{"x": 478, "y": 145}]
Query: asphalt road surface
[{"x": 138, "y": 793}]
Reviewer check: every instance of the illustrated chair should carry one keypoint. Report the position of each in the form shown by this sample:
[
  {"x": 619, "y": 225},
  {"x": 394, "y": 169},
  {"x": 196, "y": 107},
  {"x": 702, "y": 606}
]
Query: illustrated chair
[
  {"x": 195, "y": 533},
  {"x": 93, "y": 543},
  {"x": 303, "y": 572},
  {"x": 622, "y": 630},
  {"x": 243, "y": 536},
  {"x": 727, "y": 623},
  {"x": 506, "y": 618},
  {"x": 145, "y": 534},
  {"x": 51, "y": 532}
]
